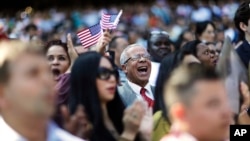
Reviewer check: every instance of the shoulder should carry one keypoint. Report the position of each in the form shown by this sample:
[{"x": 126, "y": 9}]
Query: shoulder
[
  {"x": 63, "y": 80},
  {"x": 123, "y": 87},
  {"x": 152, "y": 88},
  {"x": 157, "y": 115}
]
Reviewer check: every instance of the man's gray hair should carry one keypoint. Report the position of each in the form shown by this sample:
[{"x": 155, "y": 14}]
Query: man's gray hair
[{"x": 124, "y": 55}]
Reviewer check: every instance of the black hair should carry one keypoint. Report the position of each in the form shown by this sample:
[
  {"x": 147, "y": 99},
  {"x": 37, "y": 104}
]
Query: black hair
[
  {"x": 242, "y": 14},
  {"x": 191, "y": 47},
  {"x": 168, "y": 64},
  {"x": 58, "y": 43},
  {"x": 30, "y": 26},
  {"x": 181, "y": 39},
  {"x": 84, "y": 91},
  {"x": 201, "y": 27}
]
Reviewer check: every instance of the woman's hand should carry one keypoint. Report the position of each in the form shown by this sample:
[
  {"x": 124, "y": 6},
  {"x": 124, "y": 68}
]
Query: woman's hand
[
  {"x": 78, "y": 123},
  {"x": 243, "y": 116},
  {"x": 132, "y": 118},
  {"x": 103, "y": 42},
  {"x": 71, "y": 51}
]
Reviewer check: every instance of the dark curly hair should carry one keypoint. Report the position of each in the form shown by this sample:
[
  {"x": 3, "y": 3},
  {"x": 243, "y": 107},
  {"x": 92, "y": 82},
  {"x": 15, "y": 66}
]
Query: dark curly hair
[{"x": 58, "y": 43}]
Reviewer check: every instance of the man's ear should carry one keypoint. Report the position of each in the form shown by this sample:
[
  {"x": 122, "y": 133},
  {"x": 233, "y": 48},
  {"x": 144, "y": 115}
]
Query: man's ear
[
  {"x": 178, "y": 111},
  {"x": 124, "y": 68},
  {"x": 243, "y": 26}
]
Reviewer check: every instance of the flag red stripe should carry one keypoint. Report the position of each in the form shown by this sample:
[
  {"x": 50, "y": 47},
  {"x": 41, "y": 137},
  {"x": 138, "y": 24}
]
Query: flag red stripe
[{"x": 90, "y": 40}]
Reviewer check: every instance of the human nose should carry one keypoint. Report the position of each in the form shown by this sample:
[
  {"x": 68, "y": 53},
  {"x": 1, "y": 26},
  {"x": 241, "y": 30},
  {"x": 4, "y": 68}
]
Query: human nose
[
  {"x": 142, "y": 59},
  {"x": 55, "y": 62},
  {"x": 212, "y": 55}
]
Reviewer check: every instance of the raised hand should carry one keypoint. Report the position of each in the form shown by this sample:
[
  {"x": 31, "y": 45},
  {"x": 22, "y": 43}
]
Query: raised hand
[
  {"x": 71, "y": 50},
  {"x": 78, "y": 123},
  {"x": 132, "y": 119},
  {"x": 103, "y": 42},
  {"x": 243, "y": 116}
]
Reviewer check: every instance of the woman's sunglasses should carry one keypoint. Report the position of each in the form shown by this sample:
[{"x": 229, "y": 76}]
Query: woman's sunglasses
[{"x": 105, "y": 74}]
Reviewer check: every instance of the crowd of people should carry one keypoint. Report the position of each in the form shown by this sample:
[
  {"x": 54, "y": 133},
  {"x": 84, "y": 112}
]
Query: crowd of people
[{"x": 152, "y": 79}]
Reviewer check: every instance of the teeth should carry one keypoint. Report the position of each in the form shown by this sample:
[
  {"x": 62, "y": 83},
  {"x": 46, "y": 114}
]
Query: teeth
[{"x": 142, "y": 68}]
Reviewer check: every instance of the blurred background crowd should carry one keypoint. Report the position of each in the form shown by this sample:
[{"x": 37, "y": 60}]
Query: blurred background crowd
[{"x": 55, "y": 20}]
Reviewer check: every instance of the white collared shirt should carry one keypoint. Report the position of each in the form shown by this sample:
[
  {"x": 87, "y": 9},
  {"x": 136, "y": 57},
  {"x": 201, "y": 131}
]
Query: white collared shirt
[
  {"x": 180, "y": 137},
  {"x": 137, "y": 90},
  {"x": 54, "y": 133},
  {"x": 155, "y": 66}
]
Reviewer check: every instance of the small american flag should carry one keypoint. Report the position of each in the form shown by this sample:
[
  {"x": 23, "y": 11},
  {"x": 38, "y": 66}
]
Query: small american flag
[
  {"x": 109, "y": 21},
  {"x": 90, "y": 36}
]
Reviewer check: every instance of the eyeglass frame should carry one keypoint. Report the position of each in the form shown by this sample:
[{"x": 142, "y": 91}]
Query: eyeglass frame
[
  {"x": 113, "y": 72},
  {"x": 145, "y": 56}
]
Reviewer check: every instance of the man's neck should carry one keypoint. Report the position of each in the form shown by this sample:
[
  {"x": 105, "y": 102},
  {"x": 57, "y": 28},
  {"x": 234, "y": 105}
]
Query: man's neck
[
  {"x": 141, "y": 84},
  {"x": 31, "y": 128}
]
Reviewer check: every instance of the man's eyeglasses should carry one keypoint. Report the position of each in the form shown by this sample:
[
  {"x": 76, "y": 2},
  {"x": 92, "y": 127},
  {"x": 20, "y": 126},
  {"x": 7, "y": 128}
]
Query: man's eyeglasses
[
  {"x": 138, "y": 57},
  {"x": 105, "y": 74}
]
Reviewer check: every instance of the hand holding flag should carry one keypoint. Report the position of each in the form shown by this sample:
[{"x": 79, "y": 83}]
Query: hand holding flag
[{"x": 90, "y": 36}]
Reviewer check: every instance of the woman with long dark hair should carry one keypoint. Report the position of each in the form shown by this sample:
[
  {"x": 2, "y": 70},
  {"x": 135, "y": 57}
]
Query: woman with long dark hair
[{"x": 94, "y": 85}]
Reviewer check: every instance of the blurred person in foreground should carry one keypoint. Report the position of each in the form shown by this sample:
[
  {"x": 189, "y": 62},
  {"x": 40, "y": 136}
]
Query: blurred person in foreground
[
  {"x": 136, "y": 64},
  {"x": 27, "y": 96},
  {"x": 192, "y": 105},
  {"x": 159, "y": 46},
  {"x": 168, "y": 64},
  {"x": 242, "y": 23}
]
